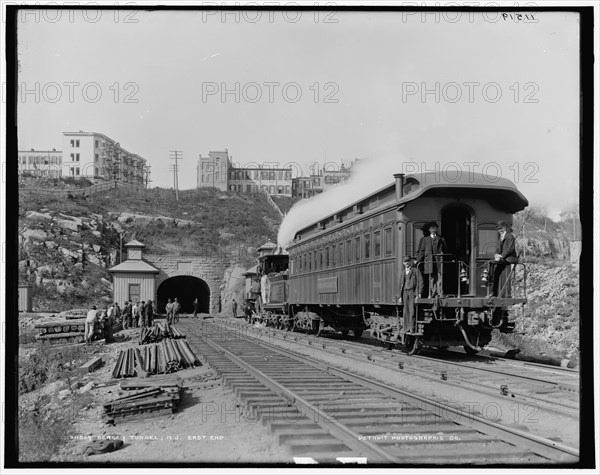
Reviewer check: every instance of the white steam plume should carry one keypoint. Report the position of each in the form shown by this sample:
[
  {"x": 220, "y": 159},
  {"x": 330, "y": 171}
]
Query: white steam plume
[{"x": 368, "y": 175}]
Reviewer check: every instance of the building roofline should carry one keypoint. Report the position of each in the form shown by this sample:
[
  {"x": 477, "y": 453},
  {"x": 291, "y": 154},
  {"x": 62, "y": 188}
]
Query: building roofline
[{"x": 87, "y": 134}]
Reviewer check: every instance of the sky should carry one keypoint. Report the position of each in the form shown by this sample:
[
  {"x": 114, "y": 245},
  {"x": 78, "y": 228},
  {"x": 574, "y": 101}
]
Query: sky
[{"x": 411, "y": 92}]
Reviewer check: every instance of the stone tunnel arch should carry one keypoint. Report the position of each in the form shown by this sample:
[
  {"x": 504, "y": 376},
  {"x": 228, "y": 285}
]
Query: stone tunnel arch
[{"x": 185, "y": 288}]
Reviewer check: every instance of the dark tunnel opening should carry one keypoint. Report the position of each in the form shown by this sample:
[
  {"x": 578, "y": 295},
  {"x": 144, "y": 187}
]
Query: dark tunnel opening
[{"x": 185, "y": 288}]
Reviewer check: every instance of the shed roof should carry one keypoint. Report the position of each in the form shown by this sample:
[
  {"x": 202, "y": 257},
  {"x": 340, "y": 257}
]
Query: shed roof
[
  {"x": 268, "y": 245},
  {"x": 135, "y": 243},
  {"x": 134, "y": 265},
  {"x": 251, "y": 271}
]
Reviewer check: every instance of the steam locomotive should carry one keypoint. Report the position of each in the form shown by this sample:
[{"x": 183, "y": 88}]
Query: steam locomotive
[{"x": 342, "y": 272}]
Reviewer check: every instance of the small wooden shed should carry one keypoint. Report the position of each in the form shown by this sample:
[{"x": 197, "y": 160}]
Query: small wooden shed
[{"x": 134, "y": 279}]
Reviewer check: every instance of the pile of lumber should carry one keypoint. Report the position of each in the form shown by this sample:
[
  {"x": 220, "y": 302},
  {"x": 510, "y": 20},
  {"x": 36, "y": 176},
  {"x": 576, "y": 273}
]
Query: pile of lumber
[
  {"x": 149, "y": 401},
  {"x": 61, "y": 330},
  {"x": 159, "y": 332},
  {"x": 167, "y": 356},
  {"x": 72, "y": 330}
]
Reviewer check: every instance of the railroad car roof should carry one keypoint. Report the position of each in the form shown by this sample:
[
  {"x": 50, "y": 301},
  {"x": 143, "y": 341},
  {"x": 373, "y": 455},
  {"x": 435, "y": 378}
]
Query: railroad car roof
[{"x": 498, "y": 189}]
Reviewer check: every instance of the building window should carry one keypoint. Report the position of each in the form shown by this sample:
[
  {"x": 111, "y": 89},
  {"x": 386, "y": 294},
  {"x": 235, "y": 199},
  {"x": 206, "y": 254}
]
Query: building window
[
  {"x": 96, "y": 142},
  {"x": 72, "y": 143},
  {"x": 248, "y": 188},
  {"x": 72, "y": 157},
  {"x": 76, "y": 143},
  {"x": 272, "y": 189},
  {"x": 76, "y": 157},
  {"x": 96, "y": 157},
  {"x": 77, "y": 171},
  {"x": 134, "y": 292}
]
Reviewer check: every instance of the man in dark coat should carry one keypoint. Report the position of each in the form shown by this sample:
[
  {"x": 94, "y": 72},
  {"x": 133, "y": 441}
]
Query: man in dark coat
[
  {"x": 504, "y": 256},
  {"x": 429, "y": 247},
  {"x": 410, "y": 287},
  {"x": 148, "y": 313}
]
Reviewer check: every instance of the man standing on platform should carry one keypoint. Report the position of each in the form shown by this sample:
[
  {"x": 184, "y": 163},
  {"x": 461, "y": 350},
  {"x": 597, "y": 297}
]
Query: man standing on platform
[
  {"x": 430, "y": 248},
  {"x": 411, "y": 286},
  {"x": 505, "y": 254}
]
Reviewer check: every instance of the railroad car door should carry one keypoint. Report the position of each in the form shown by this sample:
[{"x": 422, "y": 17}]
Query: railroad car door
[{"x": 456, "y": 230}]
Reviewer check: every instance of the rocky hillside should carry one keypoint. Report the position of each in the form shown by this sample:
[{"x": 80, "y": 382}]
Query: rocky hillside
[
  {"x": 550, "y": 322},
  {"x": 67, "y": 245}
]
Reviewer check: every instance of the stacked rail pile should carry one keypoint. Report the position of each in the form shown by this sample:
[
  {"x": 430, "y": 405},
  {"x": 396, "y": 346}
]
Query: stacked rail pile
[
  {"x": 149, "y": 402},
  {"x": 159, "y": 332},
  {"x": 168, "y": 356}
]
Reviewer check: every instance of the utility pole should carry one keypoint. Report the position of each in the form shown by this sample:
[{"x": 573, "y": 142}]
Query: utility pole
[{"x": 176, "y": 155}]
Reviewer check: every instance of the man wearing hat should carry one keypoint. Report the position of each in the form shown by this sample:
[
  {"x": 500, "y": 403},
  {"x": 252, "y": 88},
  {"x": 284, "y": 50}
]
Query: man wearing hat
[
  {"x": 411, "y": 286},
  {"x": 429, "y": 246},
  {"x": 505, "y": 254}
]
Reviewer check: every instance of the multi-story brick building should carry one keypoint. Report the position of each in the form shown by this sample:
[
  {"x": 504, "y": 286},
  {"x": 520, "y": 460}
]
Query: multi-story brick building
[
  {"x": 94, "y": 155},
  {"x": 85, "y": 155},
  {"x": 213, "y": 171},
  {"x": 274, "y": 181},
  {"x": 322, "y": 180},
  {"x": 40, "y": 163},
  {"x": 217, "y": 171}
]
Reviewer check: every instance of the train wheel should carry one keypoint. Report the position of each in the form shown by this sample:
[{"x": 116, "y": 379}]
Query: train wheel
[
  {"x": 357, "y": 333},
  {"x": 416, "y": 346},
  {"x": 345, "y": 332},
  {"x": 470, "y": 351}
]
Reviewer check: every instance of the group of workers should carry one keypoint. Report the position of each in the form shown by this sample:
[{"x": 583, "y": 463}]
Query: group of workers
[
  {"x": 99, "y": 323},
  {"x": 431, "y": 249}
]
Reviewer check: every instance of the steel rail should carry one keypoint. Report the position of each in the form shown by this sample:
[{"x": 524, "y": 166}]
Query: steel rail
[
  {"x": 341, "y": 432},
  {"x": 541, "y": 446},
  {"x": 432, "y": 375}
]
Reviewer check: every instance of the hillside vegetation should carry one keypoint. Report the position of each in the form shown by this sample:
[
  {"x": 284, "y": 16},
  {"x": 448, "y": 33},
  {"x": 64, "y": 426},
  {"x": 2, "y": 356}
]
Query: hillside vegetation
[
  {"x": 67, "y": 245},
  {"x": 549, "y": 325}
]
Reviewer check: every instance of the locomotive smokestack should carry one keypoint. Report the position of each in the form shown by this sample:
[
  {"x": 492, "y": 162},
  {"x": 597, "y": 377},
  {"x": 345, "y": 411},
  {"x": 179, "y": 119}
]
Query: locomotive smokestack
[{"x": 399, "y": 185}]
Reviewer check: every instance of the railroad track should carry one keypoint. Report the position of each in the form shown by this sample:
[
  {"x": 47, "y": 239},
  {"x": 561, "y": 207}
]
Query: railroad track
[
  {"x": 556, "y": 394},
  {"x": 330, "y": 414}
]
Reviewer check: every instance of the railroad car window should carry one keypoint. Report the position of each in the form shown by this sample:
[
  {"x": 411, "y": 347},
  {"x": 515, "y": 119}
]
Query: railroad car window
[
  {"x": 349, "y": 251},
  {"x": 367, "y": 246},
  {"x": 487, "y": 242},
  {"x": 387, "y": 234},
  {"x": 310, "y": 261},
  {"x": 357, "y": 248},
  {"x": 377, "y": 244},
  {"x": 418, "y": 233},
  {"x": 333, "y": 255},
  {"x": 341, "y": 253},
  {"x": 326, "y": 252}
]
